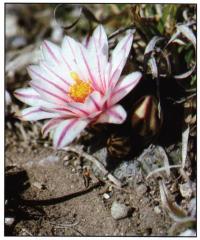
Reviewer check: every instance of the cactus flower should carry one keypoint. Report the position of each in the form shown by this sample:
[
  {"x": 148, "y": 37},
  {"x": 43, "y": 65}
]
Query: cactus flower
[{"x": 75, "y": 85}]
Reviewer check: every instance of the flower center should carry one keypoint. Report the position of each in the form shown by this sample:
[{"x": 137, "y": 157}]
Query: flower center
[{"x": 80, "y": 89}]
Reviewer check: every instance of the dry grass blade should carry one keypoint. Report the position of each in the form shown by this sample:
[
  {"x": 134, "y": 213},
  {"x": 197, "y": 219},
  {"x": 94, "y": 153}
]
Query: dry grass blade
[
  {"x": 179, "y": 229},
  {"x": 8, "y": 99},
  {"x": 153, "y": 66},
  {"x": 165, "y": 160},
  {"x": 173, "y": 37},
  {"x": 186, "y": 31},
  {"x": 94, "y": 161},
  {"x": 186, "y": 74},
  {"x": 162, "y": 169},
  {"x": 177, "y": 213},
  {"x": 121, "y": 30},
  {"x": 185, "y": 137},
  {"x": 148, "y": 55},
  {"x": 22, "y": 60},
  {"x": 166, "y": 166},
  {"x": 188, "y": 233},
  {"x": 179, "y": 42},
  {"x": 151, "y": 45}
]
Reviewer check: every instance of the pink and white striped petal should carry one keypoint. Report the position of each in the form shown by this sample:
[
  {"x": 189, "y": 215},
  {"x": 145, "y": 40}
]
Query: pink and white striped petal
[
  {"x": 67, "y": 131},
  {"x": 72, "y": 53},
  {"x": 99, "y": 40},
  {"x": 48, "y": 94},
  {"x": 108, "y": 69},
  {"x": 32, "y": 98},
  {"x": 78, "y": 109},
  {"x": 123, "y": 45},
  {"x": 119, "y": 58},
  {"x": 115, "y": 115},
  {"x": 50, "y": 125},
  {"x": 98, "y": 52},
  {"x": 68, "y": 55},
  {"x": 117, "y": 66},
  {"x": 94, "y": 102},
  {"x": 76, "y": 53},
  {"x": 57, "y": 74},
  {"x": 124, "y": 86},
  {"x": 51, "y": 53},
  {"x": 40, "y": 77},
  {"x": 86, "y": 40},
  {"x": 64, "y": 111},
  {"x": 35, "y": 113},
  {"x": 98, "y": 63}
]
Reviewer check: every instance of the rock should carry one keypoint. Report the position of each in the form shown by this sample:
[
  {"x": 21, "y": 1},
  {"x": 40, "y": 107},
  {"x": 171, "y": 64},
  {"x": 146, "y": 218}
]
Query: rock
[
  {"x": 50, "y": 160},
  {"x": 141, "y": 190},
  {"x": 9, "y": 221},
  {"x": 18, "y": 42},
  {"x": 8, "y": 100},
  {"x": 127, "y": 169},
  {"x": 188, "y": 233},
  {"x": 101, "y": 155},
  {"x": 119, "y": 210},
  {"x": 157, "y": 210},
  {"x": 106, "y": 196},
  {"x": 39, "y": 185},
  {"x": 185, "y": 190},
  {"x": 192, "y": 207},
  {"x": 11, "y": 25}
]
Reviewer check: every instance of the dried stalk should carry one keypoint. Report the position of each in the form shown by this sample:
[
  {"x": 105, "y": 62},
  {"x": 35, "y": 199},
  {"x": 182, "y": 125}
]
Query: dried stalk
[
  {"x": 119, "y": 31},
  {"x": 92, "y": 159}
]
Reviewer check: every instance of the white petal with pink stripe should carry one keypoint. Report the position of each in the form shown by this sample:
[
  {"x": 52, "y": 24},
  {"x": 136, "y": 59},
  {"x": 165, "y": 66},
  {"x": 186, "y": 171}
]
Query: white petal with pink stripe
[
  {"x": 67, "y": 130},
  {"x": 76, "y": 84}
]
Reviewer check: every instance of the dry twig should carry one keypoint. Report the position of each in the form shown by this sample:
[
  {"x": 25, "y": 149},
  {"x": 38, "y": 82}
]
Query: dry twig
[{"x": 92, "y": 159}]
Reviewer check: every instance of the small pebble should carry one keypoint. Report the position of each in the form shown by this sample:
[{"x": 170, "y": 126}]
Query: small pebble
[
  {"x": 188, "y": 233},
  {"x": 66, "y": 163},
  {"x": 73, "y": 170},
  {"x": 76, "y": 163},
  {"x": 39, "y": 185},
  {"x": 67, "y": 158},
  {"x": 18, "y": 41},
  {"x": 119, "y": 210},
  {"x": 192, "y": 207},
  {"x": 185, "y": 190},
  {"x": 46, "y": 144},
  {"x": 157, "y": 210},
  {"x": 8, "y": 98},
  {"x": 51, "y": 159},
  {"x": 9, "y": 221},
  {"x": 141, "y": 189},
  {"x": 106, "y": 196}
]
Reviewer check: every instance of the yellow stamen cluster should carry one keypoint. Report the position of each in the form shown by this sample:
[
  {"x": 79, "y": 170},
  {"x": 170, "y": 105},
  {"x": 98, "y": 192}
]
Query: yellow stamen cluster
[{"x": 80, "y": 89}]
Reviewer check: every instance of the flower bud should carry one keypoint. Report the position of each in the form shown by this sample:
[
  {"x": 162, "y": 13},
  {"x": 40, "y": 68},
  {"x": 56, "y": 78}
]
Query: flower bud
[
  {"x": 119, "y": 146},
  {"x": 146, "y": 119}
]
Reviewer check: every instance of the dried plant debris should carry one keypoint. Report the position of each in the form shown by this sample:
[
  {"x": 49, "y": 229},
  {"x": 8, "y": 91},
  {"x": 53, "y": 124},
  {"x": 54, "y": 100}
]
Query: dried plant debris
[{"x": 177, "y": 213}]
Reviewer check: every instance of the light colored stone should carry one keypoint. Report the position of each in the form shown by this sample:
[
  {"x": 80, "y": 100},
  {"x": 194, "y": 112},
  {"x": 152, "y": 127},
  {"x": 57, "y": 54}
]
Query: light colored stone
[
  {"x": 141, "y": 189},
  {"x": 106, "y": 196},
  {"x": 157, "y": 210},
  {"x": 119, "y": 210},
  {"x": 9, "y": 221},
  {"x": 49, "y": 160},
  {"x": 185, "y": 190},
  {"x": 188, "y": 233}
]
